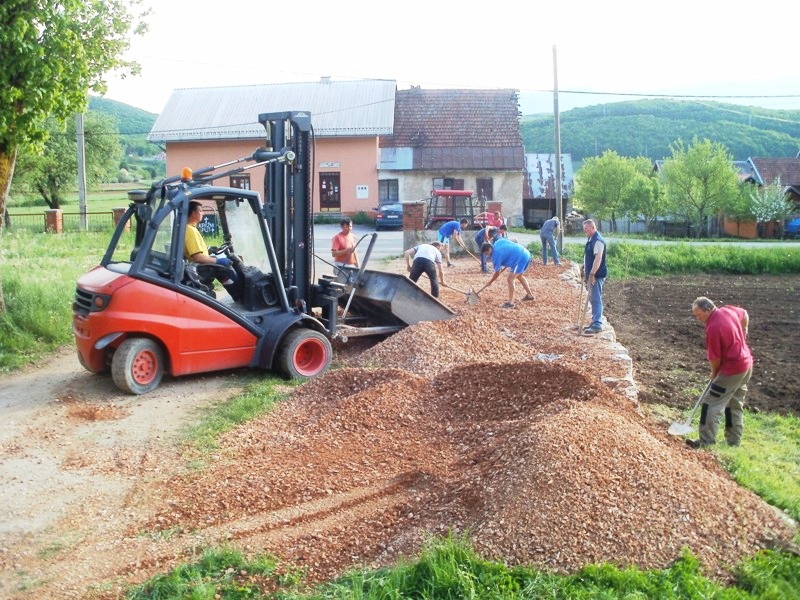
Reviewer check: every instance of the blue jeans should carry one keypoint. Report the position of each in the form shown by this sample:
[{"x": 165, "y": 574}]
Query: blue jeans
[
  {"x": 547, "y": 238},
  {"x": 596, "y": 299},
  {"x": 479, "y": 239}
]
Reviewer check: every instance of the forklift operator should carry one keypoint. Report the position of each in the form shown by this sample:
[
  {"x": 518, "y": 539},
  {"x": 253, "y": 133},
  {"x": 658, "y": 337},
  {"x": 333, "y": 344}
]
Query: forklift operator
[{"x": 196, "y": 250}]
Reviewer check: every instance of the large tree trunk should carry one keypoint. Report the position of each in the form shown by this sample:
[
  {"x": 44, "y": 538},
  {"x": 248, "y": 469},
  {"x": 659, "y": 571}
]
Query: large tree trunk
[{"x": 8, "y": 158}]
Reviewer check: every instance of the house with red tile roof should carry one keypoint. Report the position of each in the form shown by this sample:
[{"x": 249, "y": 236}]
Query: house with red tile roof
[
  {"x": 457, "y": 139},
  {"x": 767, "y": 171}
]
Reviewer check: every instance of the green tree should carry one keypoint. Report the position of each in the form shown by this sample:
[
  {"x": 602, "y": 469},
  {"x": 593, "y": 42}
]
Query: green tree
[
  {"x": 699, "y": 181},
  {"x": 53, "y": 53},
  {"x": 770, "y": 203},
  {"x": 603, "y": 186},
  {"x": 644, "y": 198},
  {"x": 49, "y": 169}
]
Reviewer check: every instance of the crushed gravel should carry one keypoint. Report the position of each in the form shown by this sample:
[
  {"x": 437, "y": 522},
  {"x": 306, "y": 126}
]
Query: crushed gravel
[{"x": 504, "y": 424}]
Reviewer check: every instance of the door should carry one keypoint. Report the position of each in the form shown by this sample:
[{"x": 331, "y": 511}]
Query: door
[{"x": 330, "y": 199}]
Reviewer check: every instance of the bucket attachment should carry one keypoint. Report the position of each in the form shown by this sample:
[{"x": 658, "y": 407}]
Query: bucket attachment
[{"x": 392, "y": 299}]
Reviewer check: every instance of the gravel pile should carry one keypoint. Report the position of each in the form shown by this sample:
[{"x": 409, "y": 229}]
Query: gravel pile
[{"x": 497, "y": 423}]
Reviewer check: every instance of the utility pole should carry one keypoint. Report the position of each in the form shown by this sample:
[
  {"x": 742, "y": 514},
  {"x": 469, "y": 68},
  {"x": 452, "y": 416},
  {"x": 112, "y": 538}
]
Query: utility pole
[
  {"x": 557, "y": 183},
  {"x": 81, "y": 172}
]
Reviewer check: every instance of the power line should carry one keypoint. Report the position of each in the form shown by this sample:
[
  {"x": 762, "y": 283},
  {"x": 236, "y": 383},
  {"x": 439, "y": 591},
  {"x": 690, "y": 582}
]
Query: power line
[{"x": 677, "y": 96}]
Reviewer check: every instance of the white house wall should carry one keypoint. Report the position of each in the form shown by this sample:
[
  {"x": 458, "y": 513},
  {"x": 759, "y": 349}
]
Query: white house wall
[{"x": 507, "y": 187}]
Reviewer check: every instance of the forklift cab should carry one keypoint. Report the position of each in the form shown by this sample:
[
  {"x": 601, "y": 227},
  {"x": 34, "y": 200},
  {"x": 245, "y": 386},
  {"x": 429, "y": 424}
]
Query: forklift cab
[{"x": 158, "y": 251}]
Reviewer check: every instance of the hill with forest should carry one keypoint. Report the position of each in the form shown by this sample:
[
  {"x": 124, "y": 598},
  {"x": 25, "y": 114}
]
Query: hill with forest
[
  {"x": 635, "y": 128},
  {"x": 139, "y": 155},
  {"x": 648, "y": 128}
]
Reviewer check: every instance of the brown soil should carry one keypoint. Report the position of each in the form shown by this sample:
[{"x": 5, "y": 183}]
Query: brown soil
[
  {"x": 653, "y": 319},
  {"x": 502, "y": 423}
]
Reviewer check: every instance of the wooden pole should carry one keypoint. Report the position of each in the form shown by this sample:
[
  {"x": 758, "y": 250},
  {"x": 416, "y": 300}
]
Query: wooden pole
[{"x": 558, "y": 179}]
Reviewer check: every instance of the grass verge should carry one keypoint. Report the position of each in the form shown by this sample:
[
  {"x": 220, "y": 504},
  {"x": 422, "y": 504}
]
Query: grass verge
[{"x": 449, "y": 569}]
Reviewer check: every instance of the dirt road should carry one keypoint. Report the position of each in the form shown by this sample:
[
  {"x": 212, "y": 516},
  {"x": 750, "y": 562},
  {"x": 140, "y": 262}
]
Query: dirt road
[{"x": 73, "y": 448}]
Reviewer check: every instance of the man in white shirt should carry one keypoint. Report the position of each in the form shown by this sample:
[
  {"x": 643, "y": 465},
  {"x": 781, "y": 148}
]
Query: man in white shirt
[{"x": 428, "y": 260}]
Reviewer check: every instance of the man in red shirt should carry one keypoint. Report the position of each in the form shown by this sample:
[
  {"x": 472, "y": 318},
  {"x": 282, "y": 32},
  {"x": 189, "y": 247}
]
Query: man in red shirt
[
  {"x": 343, "y": 245},
  {"x": 731, "y": 368}
]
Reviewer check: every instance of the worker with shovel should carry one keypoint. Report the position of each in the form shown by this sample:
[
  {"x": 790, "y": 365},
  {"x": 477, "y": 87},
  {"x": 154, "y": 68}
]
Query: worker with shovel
[
  {"x": 731, "y": 368},
  {"x": 506, "y": 254},
  {"x": 428, "y": 260},
  {"x": 452, "y": 229}
]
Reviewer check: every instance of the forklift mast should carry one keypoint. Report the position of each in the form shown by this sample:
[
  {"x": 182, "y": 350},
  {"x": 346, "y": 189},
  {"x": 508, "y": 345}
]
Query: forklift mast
[{"x": 287, "y": 196}]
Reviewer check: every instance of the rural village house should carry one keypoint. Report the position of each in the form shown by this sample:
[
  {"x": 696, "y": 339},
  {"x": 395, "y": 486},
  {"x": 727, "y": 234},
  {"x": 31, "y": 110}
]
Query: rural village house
[
  {"x": 455, "y": 140},
  {"x": 374, "y": 144},
  {"x": 209, "y": 126}
]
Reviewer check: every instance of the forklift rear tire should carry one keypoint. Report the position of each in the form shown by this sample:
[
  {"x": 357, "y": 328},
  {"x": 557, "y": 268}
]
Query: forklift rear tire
[
  {"x": 304, "y": 354},
  {"x": 138, "y": 365}
]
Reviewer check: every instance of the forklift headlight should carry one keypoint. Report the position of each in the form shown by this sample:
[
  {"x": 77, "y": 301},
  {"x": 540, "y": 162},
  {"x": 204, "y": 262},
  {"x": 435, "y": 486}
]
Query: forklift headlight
[{"x": 100, "y": 302}]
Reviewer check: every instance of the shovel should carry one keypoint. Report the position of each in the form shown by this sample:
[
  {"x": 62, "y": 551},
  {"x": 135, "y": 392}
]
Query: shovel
[
  {"x": 473, "y": 256},
  {"x": 472, "y": 296},
  {"x": 685, "y": 427}
]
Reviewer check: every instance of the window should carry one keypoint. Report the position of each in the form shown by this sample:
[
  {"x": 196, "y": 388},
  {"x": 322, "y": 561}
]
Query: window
[
  {"x": 484, "y": 188},
  {"x": 388, "y": 191},
  {"x": 447, "y": 183},
  {"x": 241, "y": 181}
]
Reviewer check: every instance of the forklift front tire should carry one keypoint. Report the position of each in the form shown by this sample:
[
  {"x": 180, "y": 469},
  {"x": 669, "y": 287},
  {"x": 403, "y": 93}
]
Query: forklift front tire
[
  {"x": 304, "y": 354},
  {"x": 138, "y": 365}
]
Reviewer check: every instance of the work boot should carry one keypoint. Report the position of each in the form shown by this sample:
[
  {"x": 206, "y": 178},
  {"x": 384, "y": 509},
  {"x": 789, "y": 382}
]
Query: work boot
[{"x": 696, "y": 444}]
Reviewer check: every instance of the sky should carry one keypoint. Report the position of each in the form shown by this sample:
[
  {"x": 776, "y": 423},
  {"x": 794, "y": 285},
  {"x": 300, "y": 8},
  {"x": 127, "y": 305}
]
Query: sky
[{"x": 592, "y": 52}]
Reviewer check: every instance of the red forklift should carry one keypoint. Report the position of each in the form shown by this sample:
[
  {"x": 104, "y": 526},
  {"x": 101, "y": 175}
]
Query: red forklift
[{"x": 146, "y": 311}]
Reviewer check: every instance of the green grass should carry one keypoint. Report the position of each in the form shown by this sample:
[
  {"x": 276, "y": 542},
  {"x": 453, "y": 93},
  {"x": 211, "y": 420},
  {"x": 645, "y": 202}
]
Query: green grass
[
  {"x": 38, "y": 273},
  {"x": 450, "y": 569},
  {"x": 260, "y": 395},
  {"x": 768, "y": 461},
  {"x": 103, "y": 199},
  {"x": 216, "y": 571},
  {"x": 628, "y": 260}
]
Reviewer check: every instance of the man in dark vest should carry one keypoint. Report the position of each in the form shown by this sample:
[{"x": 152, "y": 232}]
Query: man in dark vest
[{"x": 594, "y": 272}]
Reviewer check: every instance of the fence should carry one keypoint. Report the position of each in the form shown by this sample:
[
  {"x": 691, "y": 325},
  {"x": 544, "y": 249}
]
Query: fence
[{"x": 70, "y": 222}]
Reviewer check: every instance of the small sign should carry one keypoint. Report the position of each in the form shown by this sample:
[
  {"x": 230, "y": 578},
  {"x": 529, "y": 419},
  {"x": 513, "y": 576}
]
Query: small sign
[
  {"x": 362, "y": 192},
  {"x": 329, "y": 165},
  {"x": 208, "y": 226}
]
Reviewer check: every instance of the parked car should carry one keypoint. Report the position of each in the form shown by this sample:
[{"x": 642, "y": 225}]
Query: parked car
[
  {"x": 792, "y": 228},
  {"x": 389, "y": 215}
]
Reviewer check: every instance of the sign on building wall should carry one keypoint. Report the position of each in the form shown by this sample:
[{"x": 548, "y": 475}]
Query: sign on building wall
[{"x": 362, "y": 192}]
